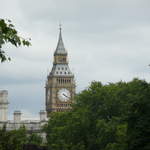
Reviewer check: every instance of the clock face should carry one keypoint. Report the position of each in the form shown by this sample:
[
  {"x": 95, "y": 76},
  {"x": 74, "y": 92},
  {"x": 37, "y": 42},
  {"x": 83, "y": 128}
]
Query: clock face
[{"x": 64, "y": 95}]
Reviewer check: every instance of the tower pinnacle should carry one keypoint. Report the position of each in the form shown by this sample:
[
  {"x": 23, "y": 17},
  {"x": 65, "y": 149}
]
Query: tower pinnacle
[
  {"x": 60, "y": 26},
  {"x": 60, "y": 49}
]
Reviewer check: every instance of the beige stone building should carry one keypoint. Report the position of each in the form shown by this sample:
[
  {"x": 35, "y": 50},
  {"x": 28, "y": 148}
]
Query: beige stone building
[{"x": 17, "y": 122}]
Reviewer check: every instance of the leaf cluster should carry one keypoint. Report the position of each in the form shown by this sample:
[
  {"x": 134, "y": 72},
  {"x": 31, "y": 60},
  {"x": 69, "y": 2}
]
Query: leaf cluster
[
  {"x": 8, "y": 34},
  {"x": 16, "y": 139}
]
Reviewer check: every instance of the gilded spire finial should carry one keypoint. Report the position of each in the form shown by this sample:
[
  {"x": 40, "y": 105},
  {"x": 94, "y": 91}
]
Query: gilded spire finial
[
  {"x": 60, "y": 49},
  {"x": 60, "y": 26}
]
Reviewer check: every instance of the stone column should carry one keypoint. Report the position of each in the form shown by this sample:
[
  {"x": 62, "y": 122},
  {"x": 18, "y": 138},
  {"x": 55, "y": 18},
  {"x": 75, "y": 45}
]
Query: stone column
[{"x": 3, "y": 105}]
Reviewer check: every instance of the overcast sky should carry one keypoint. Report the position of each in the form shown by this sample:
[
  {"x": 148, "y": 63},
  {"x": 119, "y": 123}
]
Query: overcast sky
[{"x": 107, "y": 41}]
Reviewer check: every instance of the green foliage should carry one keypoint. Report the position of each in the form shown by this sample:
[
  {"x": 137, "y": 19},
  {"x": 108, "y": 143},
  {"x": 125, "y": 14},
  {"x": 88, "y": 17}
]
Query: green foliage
[
  {"x": 104, "y": 117},
  {"x": 139, "y": 119},
  {"x": 34, "y": 139},
  {"x": 15, "y": 139},
  {"x": 8, "y": 34}
]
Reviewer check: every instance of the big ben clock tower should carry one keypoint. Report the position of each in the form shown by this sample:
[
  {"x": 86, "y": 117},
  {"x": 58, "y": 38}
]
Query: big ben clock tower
[{"x": 60, "y": 85}]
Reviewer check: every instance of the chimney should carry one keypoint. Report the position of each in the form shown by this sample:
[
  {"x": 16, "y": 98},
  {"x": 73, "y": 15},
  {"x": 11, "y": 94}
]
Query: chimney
[{"x": 17, "y": 116}]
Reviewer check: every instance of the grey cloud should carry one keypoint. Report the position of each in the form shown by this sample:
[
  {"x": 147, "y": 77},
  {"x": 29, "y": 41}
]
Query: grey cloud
[
  {"x": 106, "y": 41},
  {"x": 81, "y": 11}
]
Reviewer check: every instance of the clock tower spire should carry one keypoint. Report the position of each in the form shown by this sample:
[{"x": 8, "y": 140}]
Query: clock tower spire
[
  {"x": 60, "y": 85},
  {"x": 60, "y": 49}
]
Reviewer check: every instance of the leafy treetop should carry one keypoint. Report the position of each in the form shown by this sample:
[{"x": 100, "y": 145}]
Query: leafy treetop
[{"x": 8, "y": 34}]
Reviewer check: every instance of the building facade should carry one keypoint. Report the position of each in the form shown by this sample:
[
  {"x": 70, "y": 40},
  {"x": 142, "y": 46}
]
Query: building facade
[
  {"x": 60, "y": 85},
  {"x": 17, "y": 122}
]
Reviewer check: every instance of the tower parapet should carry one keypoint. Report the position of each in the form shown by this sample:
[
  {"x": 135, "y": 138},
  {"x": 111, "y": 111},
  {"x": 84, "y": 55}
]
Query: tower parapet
[{"x": 3, "y": 105}]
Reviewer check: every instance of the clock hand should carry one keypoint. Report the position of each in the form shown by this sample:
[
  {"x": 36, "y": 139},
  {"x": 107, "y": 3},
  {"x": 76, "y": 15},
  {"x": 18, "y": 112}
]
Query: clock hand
[{"x": 65, "y": 95}]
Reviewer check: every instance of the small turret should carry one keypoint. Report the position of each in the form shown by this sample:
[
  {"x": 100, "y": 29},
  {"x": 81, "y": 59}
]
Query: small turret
[
  {"x": 17, "y": 116},
  {"x": 3, "y": 105},
  {"x": 42, "y": 115}
]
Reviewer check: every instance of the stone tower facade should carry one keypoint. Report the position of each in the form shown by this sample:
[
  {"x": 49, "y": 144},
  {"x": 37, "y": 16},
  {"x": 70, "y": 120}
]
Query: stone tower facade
[
  {"x": 3, "y": 105},
  {"x": 60, "y": 85}
]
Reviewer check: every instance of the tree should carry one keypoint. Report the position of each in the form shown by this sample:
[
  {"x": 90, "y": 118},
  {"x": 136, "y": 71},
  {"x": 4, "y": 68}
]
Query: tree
[
  {"x": 100, "y": 118},
  {"x": 3, "y": 138},
  {"x": 8, "y": 34},
  {"x": 16, "y": 139},
  {"x": 139, "y": 118},
  {"x": 34, "y": 139}
]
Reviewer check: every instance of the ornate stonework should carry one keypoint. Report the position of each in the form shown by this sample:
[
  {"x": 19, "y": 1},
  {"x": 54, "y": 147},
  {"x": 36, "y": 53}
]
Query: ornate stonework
[{"x": 60, "y": 85}]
